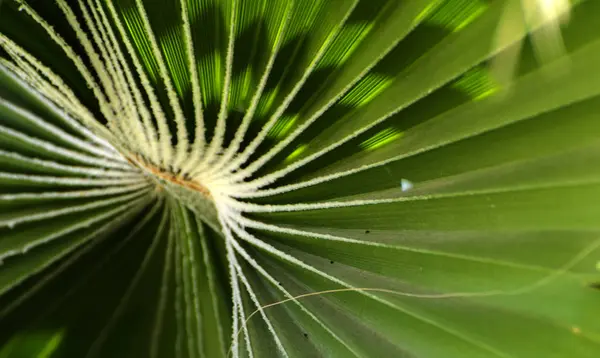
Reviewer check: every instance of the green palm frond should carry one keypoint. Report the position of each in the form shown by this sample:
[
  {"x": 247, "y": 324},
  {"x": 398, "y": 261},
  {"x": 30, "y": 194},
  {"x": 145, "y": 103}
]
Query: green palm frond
[{"x": 302, "y": 178}]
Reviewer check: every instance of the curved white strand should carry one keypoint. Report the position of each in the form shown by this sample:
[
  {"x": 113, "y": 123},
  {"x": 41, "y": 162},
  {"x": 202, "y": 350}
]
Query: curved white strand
[
  {"x": 287, "y": 294},
  {"x": 257, "y": 303},
  {"x": 291, "y": 259},
  {"x": 232, "y": 218}
]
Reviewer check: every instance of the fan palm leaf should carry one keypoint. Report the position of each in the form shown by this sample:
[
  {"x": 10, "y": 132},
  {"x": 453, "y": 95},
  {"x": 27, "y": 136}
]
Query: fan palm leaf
[{"x": 306, "y": 178}]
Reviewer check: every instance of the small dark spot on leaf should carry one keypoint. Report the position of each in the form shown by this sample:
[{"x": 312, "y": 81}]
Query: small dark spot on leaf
[
  {"x": 305, "y": 335},
  {"x": 595, "y": 285},
  {"x": 330, "y": 262},
  {"x": 367, "y": 231},
  {"x": 279, "y": 283}
]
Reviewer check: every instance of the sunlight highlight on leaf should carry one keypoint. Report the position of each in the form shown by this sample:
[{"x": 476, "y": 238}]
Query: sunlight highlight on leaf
[
  {"x": 366, "y": 90},
  {"x": 133, "y": 22},
  {"x": 477, "y": 83},
  {"x": 543, "y": 20},
  {"x": 282, "y": 127},
  {"x": 296, "y": 153},
  {"x": 348, "y": 40},
  {"x": 171, "y": 44},
  {"x": 380, "y": 139},
  {"x": 456, "y": 14},
  {"x": 34, "y": 344}
]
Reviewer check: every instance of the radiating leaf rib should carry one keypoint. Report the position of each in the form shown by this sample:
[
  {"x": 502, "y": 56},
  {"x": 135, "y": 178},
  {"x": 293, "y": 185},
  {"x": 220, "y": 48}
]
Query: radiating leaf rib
[
  {"x": 250, "y": 33},
  {"x": 200, "y": 132},
  {"x": 555, "y": 161},
  {"x": 293, "y": 260},
  {"x": 67, "y": 263},
  {"x": 460, "y": 245},
  {"x": 136, "y": 302},
  {"x": 27, "y": 265},
  {"x": 127, "y": 108},
  {"x": 103, "y": 335},
  {"x": 189, "y": 275},
  {"x": 38, "y": 75},
  {"x": 235, "y": 311},
  {"x": 258, "y": 335},
  {"x": 99, "y": 66},
  {"x": 425, "y": 138},
  {"x": 484, "y": 210},
  {"x": 355, "y": 125},
  {"x": 157, "y": 328},
  {"x": 70, "y": 194},
  {"x": 214, "y": 298},
  {"x": 250, "y": 343},
  {"x": 287, "y": 294},
  {"x": 19, "y": 217},
  {"x": 37, "y": 102},
  {"x": 171, "y": 41},
  {"x": 236, "y": 295},
  {"x": 558, "y": 133},
  {"x": 130, "y": 84},
  {"x": 400, "y": 24},
  {"x": 189, "y": 310},
  {"x": 247, "y": 152},
  {"x": 21, "y": 119},
  {"x": 415, "y": 271},
  {"x": 164, "y": 135},
  {"x": 107, "y": 72},
  {"x": 16, "y": 162},
  {"x": 476, "y": 38},
  {"x": 92, "y": 279},
  {"x": 18, "y": 269},
  {"x": 182, "y": 137},
  {"x": 355, "y": 334},
  {"x": 100, "y": 96},
  {"x": 10, "y": 179},
  {"x": 569, "y": 168},
  {"x": 439, "y": 308},
  {"x": 22, "y": 241},
  {"x": 561, "y": 92},
  {"x": 16, "y": 140},
  {"x": 249, "y": 289},
  {"x": 184, "y": 338},
  {"x": 216, "y": 142},
  {"x": 233, "y": 147}
]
